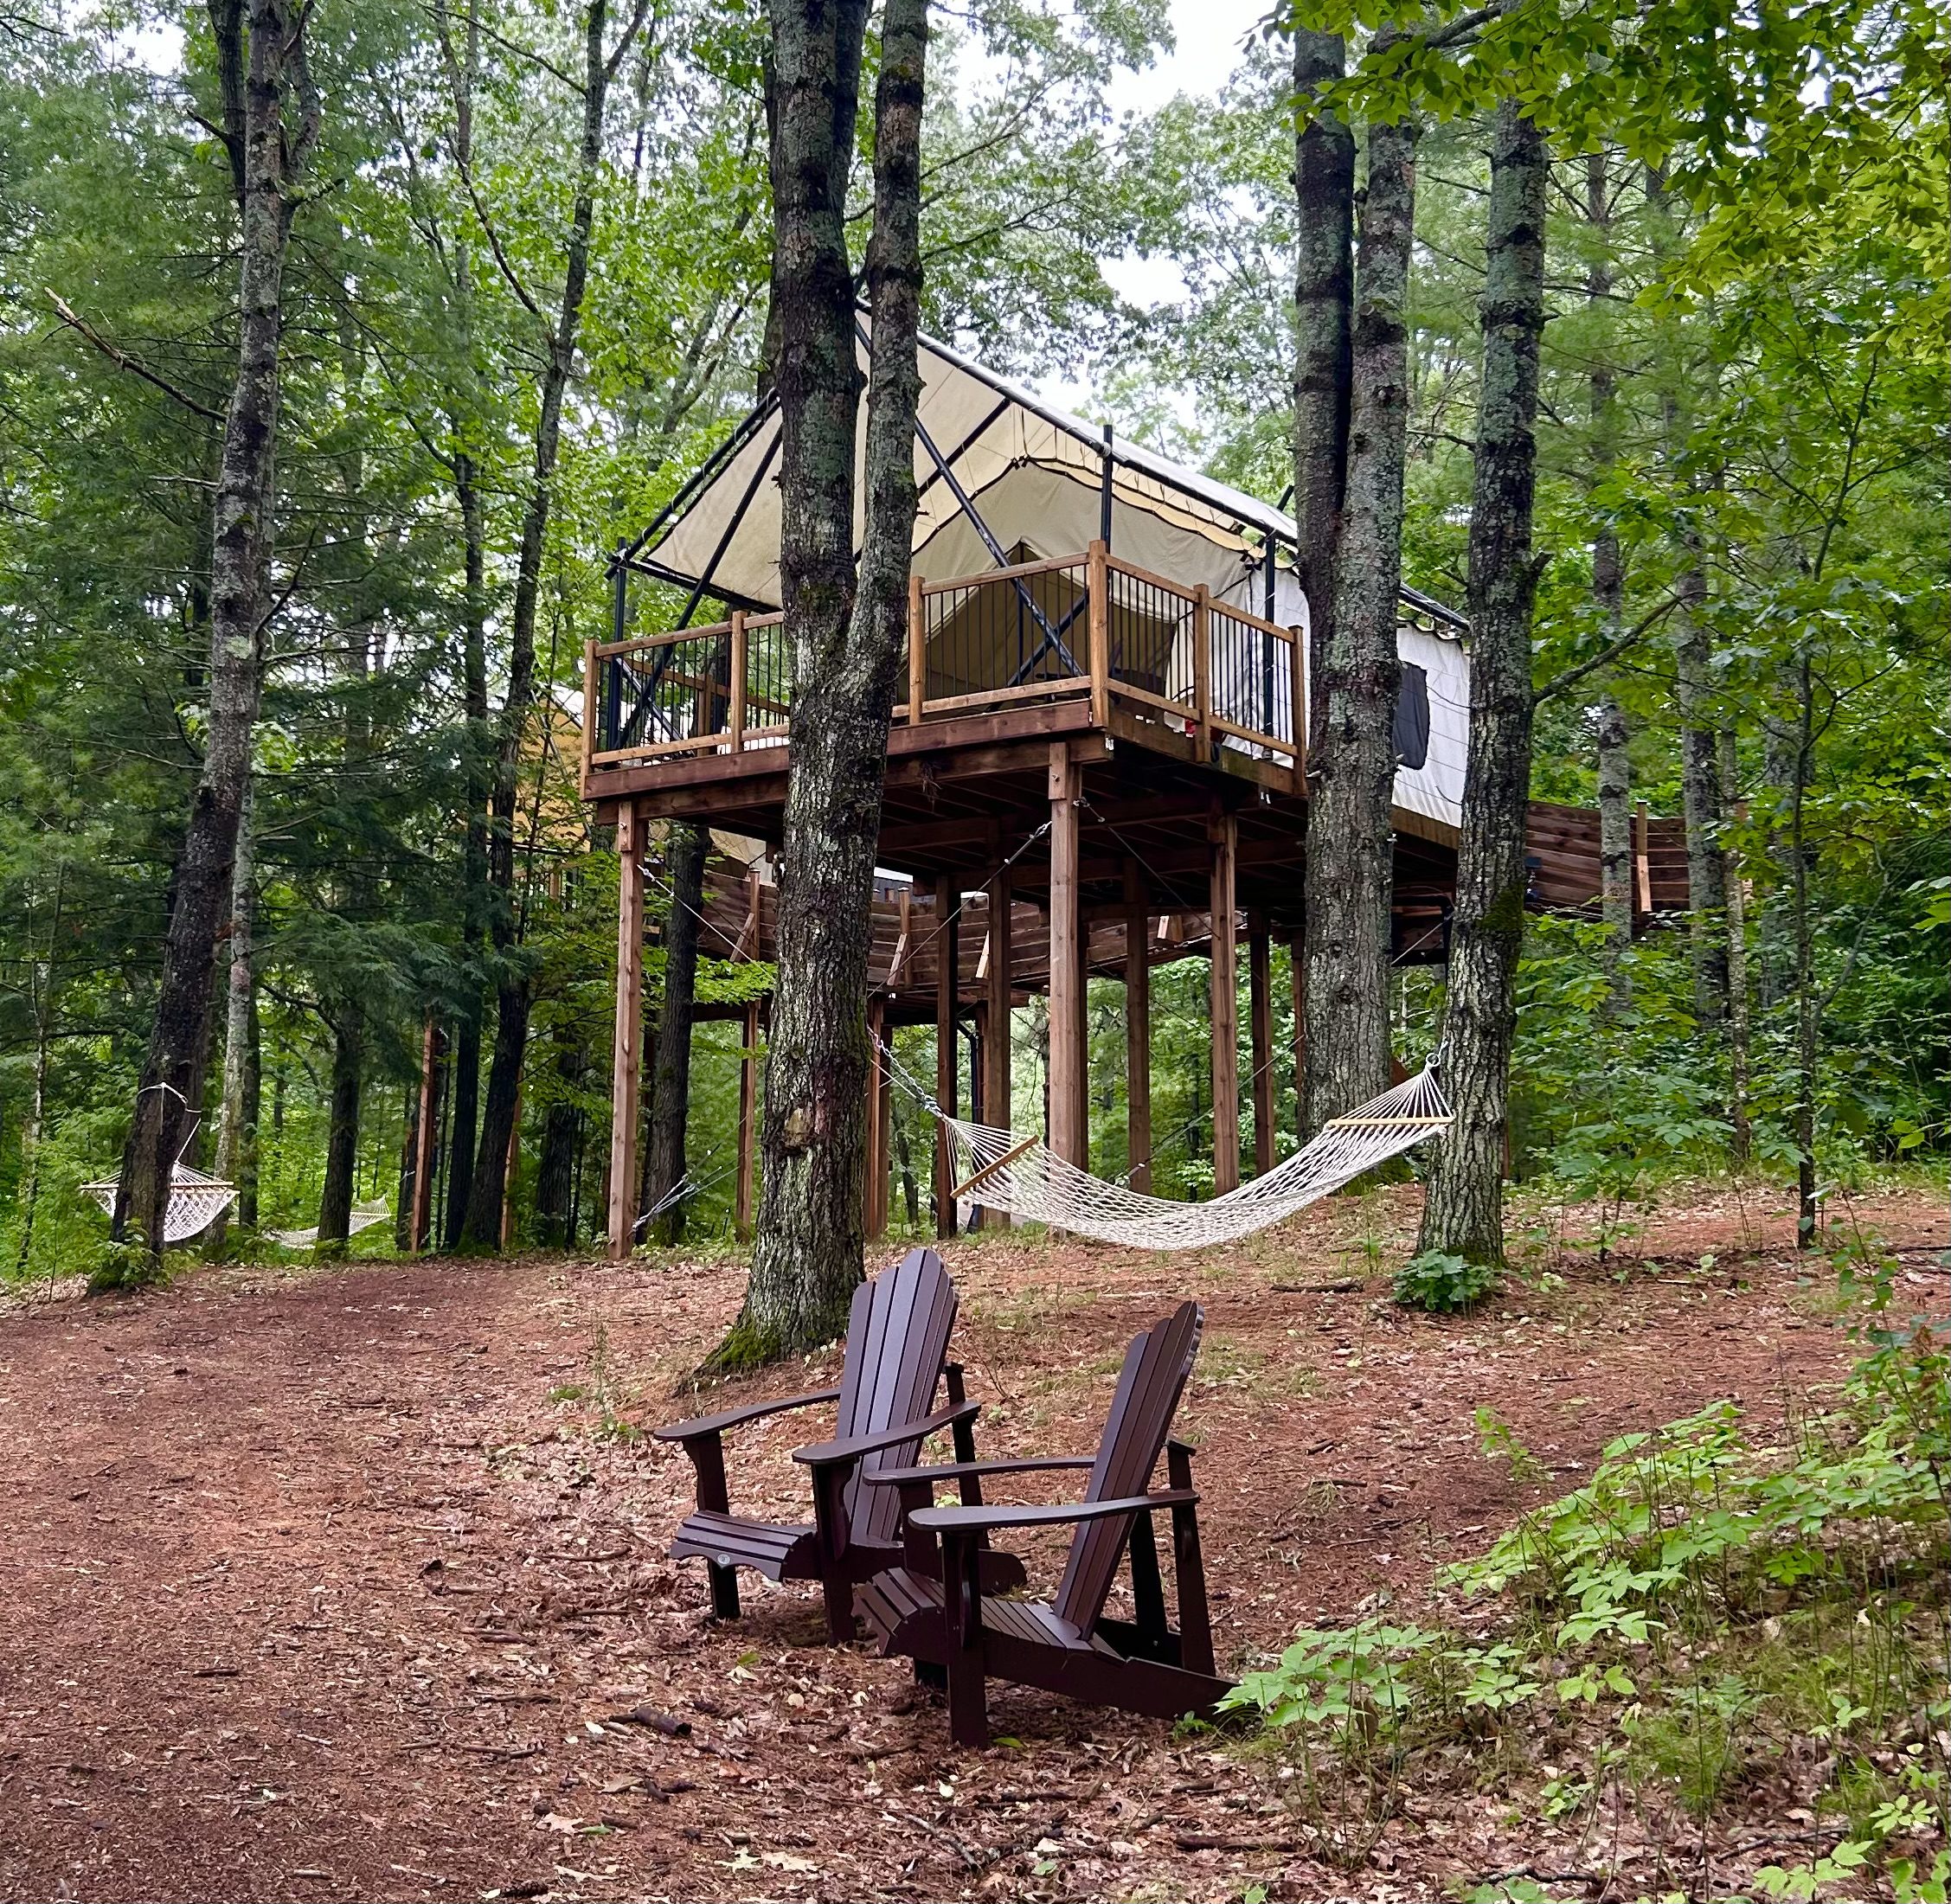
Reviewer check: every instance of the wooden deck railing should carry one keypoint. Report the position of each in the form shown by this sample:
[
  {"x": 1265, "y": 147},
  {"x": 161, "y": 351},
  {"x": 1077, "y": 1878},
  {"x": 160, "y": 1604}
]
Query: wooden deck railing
[{"x": 1089, "y": 627}]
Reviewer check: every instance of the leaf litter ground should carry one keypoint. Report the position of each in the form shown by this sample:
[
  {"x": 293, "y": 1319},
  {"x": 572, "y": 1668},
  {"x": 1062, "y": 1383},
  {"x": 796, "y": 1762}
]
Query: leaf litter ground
[{"x": 350, "y": 1583}]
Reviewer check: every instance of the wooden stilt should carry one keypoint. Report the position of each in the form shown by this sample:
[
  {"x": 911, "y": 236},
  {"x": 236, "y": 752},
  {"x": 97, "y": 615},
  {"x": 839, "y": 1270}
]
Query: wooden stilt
[
  {"x": 625, "y": 1055},
  {"x": 747, "y": 1123},
  {"x": 876, "y": 1170},
  {"x": 1222, "y": 835},
  {"x": 1067, "y": 1004},
  {"x": 1259, "y": 994},
  {"x": 1297, "y": 981},
  {"x": 947, "y": 973},
  {"x": 997, "y": 1048},
  {"x": 1137, "y": 1029},
  {"x": 883, "y": 1134}
]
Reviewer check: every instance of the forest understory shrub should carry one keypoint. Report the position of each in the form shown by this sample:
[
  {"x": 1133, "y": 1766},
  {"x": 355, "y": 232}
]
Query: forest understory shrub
[{"x": 1713, "y": 1628}]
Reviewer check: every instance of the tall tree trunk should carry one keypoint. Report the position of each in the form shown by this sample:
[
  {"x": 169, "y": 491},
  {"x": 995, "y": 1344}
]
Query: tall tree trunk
[
  {"x": 409, "y": 1175},
  {"x": 269, "y": 152},
  {"x": 1464, "y": 1212},
  {"x": 1700, "y": 791},
  {"x": 1694, "y": 692},
  {"x": 1801, "y": 932},
  {"x": 463, "y": 66},
  {"x": 561, "y": 1133},
  {"x": 1740, "y": 1132},
  {"x": 1351, "y": 839},
  {"x": 847, "y": 648},
  {"x": 482, "y": 1228},
  {"x": 670, "y": 1073},
  {"x": 342, "y": 1142},
  {"x": 1324, "y": 301},
  {"x": 1608, "y": 596},
  {"x": 41, "y": 980},
  {"x": 246, "y": 1178},
  {"x": 234, "y": 1136}
]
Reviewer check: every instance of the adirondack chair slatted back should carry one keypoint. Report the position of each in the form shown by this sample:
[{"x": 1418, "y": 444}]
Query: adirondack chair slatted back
[
  {"x": 1156, "y": 1366},
  {"x": 897, "y": 1336}
]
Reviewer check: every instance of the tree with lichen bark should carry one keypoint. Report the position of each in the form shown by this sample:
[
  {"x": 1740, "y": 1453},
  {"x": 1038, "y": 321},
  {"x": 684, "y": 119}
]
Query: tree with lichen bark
[
  {"x": 271, "y": 123},
  {"x": 1464, "y": 1212},
  {"x": 1350, "y": 839},
  {"x": 846, "y": 634}
]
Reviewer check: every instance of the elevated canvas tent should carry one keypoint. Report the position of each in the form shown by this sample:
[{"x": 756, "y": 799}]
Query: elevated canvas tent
[{"x": 1000, "y": 469}]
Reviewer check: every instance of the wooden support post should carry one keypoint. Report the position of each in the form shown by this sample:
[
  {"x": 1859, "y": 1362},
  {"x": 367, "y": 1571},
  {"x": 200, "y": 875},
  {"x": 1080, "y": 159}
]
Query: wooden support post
[
  {"x": 1138, "y": 1031},
  {"x": 591, "y": 711},
  {"x": 1222, "y": 834},
  {"x": 736, "y": 713},
  {"x": 426, "y": 1134},
  {"x": 997, "y": 1055},
  {"x": 873, "y": 1200},
  {"x": 1067, "y": 1004},
  {"x": 1297, "y": 692},
  {"x": 1203, "y": 668},
  {"x": 747, "y": 1122},
  {"x": 883, "y": 1133},
  {"x": 947, "y": 975},
  {"x": 1259, "y": 993},
  {"x": 626, "y": 1051},
  {"x": 1097, "y": 584},
  {"x": 1642, "y": 866},
  {"x": 917, "y": 651}
]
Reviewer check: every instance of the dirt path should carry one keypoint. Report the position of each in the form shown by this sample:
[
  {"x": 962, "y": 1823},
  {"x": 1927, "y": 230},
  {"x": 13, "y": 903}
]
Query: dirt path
[{"x": 328, "y": 1586}]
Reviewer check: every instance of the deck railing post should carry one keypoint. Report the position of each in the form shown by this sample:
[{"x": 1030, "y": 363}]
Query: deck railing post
[
  {"x": 1097, "y": 586},
  {"x": 737, "y": 716},
  {"x": 1297, "y": 710},
  {"x": 917, "y": 651},
  {"x": 1202, "y": 668},
  {"x": 590, "y": 713}
]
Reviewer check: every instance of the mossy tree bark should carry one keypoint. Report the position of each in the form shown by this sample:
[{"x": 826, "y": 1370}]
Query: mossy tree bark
[
  {"x": 847, "y": 647},
  {"x": 270, "y": 121},
  {"x": 1464, "y": 1212},
  {"x": 1351, "y": 839}
]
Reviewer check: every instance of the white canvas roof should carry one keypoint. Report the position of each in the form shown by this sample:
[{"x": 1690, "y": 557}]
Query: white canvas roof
[{"x": 1035, "y": 475}]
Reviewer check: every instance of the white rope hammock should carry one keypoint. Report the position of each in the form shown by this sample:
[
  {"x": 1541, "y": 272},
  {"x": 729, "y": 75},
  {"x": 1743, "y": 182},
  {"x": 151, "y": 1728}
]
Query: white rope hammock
[
  {"x": 195, "y": 1201},
  {"x": 1020, "y": 1175},
  {"x": 364, "y": 1215}
]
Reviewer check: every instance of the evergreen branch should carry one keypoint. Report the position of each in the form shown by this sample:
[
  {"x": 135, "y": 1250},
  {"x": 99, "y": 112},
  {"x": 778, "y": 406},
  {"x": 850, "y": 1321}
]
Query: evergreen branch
[{"x": 123, "y": 360}]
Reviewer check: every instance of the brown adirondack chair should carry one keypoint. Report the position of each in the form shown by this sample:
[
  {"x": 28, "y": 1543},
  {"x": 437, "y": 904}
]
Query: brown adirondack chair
[
  {"x": 897, "y": 1336},
  {"x": 936, "y": 1613}
]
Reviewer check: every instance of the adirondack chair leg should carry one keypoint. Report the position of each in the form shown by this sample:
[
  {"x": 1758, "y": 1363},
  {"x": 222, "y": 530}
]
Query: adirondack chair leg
[
  {"x": 1195, "y": 1623},
  {"x": 707, "y": 1457},
  {"x": 968, "y": 1707},
  {"x": 830, "y": 1520},
  {"x": 1148, "y": 1591}
]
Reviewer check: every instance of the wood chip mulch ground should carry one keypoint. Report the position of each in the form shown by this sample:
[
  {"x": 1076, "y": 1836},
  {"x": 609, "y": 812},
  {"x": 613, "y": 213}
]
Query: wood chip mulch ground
[{"x": 349, "y": 1584}]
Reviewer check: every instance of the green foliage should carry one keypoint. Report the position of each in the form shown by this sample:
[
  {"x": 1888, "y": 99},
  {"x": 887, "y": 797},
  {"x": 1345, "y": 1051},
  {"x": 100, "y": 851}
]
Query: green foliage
[
  {"x": 1443, "y": 1284},
  {"x": 1701, "y": 1601}
]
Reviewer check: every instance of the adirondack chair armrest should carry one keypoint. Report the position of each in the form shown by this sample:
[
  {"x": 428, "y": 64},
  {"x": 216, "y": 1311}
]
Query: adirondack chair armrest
[
  {"x": 736, "y": 1418},
  {"x": 982, "y": 1520},
  {"x": 823, "y": 1454},
  {"x": 957, "y": 1471}
]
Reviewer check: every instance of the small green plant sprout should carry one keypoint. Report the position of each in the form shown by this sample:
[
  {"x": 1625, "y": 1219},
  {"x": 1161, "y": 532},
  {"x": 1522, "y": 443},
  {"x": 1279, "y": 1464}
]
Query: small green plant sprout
[
  {"x": 1589, "y": 1682},
  {"x": 1495, "y": 1436},
  {"x": 1563, "y": 1798},
  {"x": 1443, "y": 1284},
  {"x": 1800, "y": 1881}
]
